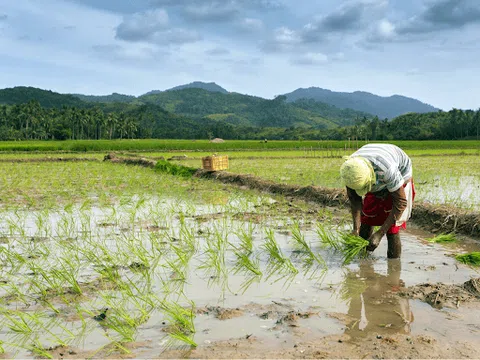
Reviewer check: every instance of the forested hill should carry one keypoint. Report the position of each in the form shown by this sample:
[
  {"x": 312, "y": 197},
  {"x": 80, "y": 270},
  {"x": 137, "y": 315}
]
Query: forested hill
[
  {"x": 46, "y": 98},
  {"x": 211, "y": 86},
  {"x": 200, "y": 104},
  {"x": 115, "y": 97},
  {"x": 238, "y": 109},
  {"x": 383, "y": 107}
]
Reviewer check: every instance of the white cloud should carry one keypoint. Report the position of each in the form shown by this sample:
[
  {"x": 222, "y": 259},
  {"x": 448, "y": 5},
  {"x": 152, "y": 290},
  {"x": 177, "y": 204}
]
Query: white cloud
[
  {"x": 251, "y": 24},
  {"x": 142, "y": 26},
  {"x": 311, "y": 59}
]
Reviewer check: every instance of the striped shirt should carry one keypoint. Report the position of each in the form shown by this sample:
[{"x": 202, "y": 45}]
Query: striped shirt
[{"x": 391, "y": 165}]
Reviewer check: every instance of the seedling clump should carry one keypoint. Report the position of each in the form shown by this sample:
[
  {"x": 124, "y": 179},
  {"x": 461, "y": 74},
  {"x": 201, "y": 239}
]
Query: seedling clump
[
  {"x": 443, "y": 238},
  {"x": 174, "y": 169},
  {"x": 352, "y": 246},
  {"x": 472, "y": 258}
]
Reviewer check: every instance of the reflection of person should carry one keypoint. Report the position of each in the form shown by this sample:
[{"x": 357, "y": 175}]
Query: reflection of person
[
  {"x": 377, "y": 307},
  {"x": 383, "y": 174}
]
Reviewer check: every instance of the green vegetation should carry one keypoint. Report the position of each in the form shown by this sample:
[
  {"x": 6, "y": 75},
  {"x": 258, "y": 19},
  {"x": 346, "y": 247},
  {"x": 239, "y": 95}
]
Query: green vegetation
[
  {"x": 443, "y": 238},
  {"x": 78, "y": 238},
  {"x": 173, "y": 169},
  {"x": 352, "y": 246},
  {"x": 327, "y": 148},
  {"x": 472, "y": 258},
  {"x": 192, "y": 113}
]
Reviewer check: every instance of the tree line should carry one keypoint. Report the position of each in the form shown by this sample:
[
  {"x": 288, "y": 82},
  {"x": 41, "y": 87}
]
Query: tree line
[{"x": 31, "y": 121}]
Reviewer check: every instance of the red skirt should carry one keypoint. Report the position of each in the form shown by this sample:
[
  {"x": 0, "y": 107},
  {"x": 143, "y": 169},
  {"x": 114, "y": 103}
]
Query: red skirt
[{"x": 375, "y": 210}]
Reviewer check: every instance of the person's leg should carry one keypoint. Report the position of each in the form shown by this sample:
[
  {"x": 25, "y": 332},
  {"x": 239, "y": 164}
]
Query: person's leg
[
  {"x": 394, "y": 246},
  {"x": 365, "y": 231}
]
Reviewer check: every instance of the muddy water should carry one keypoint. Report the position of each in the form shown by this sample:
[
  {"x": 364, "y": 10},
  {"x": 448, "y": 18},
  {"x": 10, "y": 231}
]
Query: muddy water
[{"x": 359, "y": 299}]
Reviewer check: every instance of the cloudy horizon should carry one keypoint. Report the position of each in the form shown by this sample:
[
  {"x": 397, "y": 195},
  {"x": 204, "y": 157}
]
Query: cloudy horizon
[{"x": 424, "y": 49}]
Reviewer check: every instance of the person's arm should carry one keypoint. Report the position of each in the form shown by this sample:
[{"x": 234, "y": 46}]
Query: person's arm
[{"x": 356, "y": 209}]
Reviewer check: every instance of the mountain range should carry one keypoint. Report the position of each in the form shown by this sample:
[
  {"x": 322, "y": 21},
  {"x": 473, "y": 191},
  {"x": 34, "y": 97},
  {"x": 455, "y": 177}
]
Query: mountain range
[
  {"x": 384, "y": 107},
  {"x": 312, "y": 108}
]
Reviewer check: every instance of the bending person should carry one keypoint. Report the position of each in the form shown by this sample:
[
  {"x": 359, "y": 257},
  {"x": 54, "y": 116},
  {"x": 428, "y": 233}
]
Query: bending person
[{"x": 382, "y": 174}]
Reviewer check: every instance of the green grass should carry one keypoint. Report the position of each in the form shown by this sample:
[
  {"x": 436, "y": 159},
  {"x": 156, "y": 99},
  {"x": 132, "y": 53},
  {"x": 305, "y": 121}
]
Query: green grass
[
  {"x": 472, "y": 258},
  {"x": 443, "y": 238},
  {"x": 205, "y": 145}
]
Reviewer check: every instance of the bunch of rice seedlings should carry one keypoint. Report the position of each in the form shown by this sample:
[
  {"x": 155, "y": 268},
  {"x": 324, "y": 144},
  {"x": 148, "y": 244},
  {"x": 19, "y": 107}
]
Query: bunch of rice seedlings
[
  {"x": 443, "y": 238},
  {"x": 472, "y": 258},
  {"x": 174, "y": 169},
  {"x": 352, "y": 246},
  {"x": 327, "y": 237}
]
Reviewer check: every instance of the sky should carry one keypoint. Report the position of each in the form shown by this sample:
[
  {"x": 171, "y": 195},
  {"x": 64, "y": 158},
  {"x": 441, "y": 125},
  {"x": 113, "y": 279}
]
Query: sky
[{"x": 425, "y": 49}]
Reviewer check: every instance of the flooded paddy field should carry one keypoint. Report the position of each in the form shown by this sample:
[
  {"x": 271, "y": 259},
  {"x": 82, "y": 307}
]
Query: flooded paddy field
[
  {"x": 448, "y": 179},
  {"x": 107, "y": 260}
]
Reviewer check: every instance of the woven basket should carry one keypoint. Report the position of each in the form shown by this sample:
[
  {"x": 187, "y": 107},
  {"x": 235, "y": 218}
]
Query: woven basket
[{"x": 215, "y": 162}]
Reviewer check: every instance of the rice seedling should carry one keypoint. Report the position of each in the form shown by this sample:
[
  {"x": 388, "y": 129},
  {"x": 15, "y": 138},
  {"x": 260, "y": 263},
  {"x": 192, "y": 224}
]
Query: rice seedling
[
  {"x": 245, "y": 264},
  {"x": 181, "y": 320},
  {"x": 472, "y": 259},
  {"x": 246, "y": 239},
  {"x": 443, "y": 238},
  {"x": 277, "y": 260},
  {"x": 327, "y": 237},
  {"x": 302, "y": 248},
  {"x": 352, "y": 246}
]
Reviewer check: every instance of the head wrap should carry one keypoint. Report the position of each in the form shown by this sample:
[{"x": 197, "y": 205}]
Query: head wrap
[{"x": 357, "y": 173}]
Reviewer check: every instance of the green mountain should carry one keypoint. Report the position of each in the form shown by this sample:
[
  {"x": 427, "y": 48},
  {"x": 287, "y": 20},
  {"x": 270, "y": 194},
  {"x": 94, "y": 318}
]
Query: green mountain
[
  {"x": 339, "y": 116},
  {"x": 114, "y": 97},
  {"x": 46, "y": 98},
  {"x": 211, "y": 86},
  {"x": 202, "y": 105},
  {"x": 384, "y": 107},
  {"x": 236, "y": 109}
]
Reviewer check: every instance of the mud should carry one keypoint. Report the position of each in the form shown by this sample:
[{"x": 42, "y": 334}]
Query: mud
[
  {"x": 129, "y": 160},
  {"x": 220, "y": 313},
  {"x": 446, "y": 295},
  {"x": 336, "y": 347}
]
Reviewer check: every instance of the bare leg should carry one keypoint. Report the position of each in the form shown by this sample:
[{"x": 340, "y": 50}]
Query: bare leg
[
  {"x": 394, "y": 246},
  {"x": 365, "y": 231}
]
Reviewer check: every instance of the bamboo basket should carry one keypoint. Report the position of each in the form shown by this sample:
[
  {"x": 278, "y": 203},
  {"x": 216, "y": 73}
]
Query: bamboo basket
[{"x": 215, "y": 162}]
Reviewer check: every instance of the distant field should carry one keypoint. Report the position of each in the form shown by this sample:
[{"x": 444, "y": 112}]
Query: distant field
[{"x": 229, "y": 145}]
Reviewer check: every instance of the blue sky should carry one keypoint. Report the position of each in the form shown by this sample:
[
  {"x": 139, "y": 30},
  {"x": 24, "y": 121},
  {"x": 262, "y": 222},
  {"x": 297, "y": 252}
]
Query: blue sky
[{"x": 426, "y": 49}]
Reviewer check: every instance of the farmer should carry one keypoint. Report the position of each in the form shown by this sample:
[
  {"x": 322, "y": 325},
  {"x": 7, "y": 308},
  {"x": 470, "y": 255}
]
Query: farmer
[{"x": 382, "y": 174}]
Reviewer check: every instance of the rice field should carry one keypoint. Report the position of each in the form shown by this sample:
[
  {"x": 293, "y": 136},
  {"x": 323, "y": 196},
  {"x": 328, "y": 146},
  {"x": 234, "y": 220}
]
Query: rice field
[
  {"x": 448, "y": 179},
  {"x": 106, "y": 260}
]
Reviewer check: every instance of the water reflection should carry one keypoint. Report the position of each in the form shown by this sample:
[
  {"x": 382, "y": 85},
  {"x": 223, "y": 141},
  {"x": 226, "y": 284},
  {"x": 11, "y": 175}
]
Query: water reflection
[{"x": 374, "y": 303}]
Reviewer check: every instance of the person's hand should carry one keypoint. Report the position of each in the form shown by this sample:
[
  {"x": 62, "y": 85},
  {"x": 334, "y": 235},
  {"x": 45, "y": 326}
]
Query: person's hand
[
  {"x": 374, "y": 240},
  {"x": 355, "y": 232}
]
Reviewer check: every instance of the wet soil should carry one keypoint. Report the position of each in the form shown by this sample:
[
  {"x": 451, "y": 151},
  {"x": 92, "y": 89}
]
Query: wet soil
[
  {"x": 335, "y": 347},
  {"x": 446, "y": 295}
]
